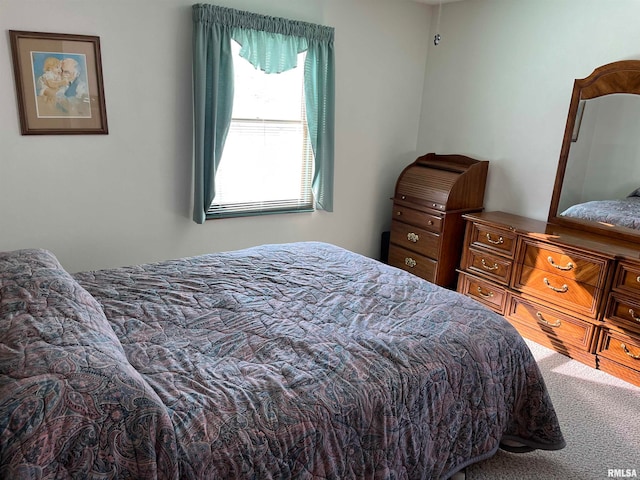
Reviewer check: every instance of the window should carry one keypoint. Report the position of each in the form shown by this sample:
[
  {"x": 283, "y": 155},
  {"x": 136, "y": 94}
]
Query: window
[
  {"x": 267, "y": 161},
  {"x": 275, "y": 155}
]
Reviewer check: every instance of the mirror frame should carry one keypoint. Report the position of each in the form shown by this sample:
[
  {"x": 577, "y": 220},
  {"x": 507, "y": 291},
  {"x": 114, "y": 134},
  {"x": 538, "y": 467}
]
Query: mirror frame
[{"x": 616, "y": 77}]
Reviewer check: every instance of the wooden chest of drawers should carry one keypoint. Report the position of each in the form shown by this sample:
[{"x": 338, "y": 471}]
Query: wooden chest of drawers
[
  {"x": 431, "y": 195},
  {"x": 572, "y": 291}
]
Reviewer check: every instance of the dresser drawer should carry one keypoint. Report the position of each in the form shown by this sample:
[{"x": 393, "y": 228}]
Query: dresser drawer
[
  {"x": 551, "y": 324},
  {"x": 489, "y": 294},
  {"x": 623, "y": 313},
  {"x": 412, "y": 262},
  {"x": 565, "y": 263},
  {"x": 493, "y": 239},
  {"x": 620, "y": 348},
  {"x": 487, "y": 265},
  {"x": 627, "y": 279},
  {"x": 416, "y": 239},
  {"x": 564, "y": 292},
  {"x": 425, "y": 220}
]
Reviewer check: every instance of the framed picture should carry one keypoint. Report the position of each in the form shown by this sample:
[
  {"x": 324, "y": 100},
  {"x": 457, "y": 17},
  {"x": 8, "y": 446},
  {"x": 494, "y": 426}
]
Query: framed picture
[{"x": 58, "y": 83}]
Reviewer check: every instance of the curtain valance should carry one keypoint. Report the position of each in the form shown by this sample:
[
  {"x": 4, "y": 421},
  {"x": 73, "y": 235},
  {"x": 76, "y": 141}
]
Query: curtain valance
[{"x": 231, "y": 17}]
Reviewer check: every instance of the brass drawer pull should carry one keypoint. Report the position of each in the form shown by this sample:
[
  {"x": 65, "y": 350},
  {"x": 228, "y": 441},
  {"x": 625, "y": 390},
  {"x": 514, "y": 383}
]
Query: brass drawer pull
[
  {"x": 430, "y": 222},
  {"x": 557, "y": 323},
  {"x": 412, "y": 237},
  {"x": 399, "y": 213},
  {"x": 638, "y": 279},
  {"x": 559, "y": 267},
  {"x": 489, "y": 267},
  {"x": 633, "y": 315},
  {"x": 500, "y": 240},
  {"x": 410, "y": 262},
  {"x": 563, "y": 289},
  {"x": 626, "y": 350},
  {"x": 485, "y": 295}
]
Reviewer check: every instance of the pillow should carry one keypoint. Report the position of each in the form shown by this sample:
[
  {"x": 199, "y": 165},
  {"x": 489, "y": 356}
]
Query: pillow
[{"x": 39, "y": 296}]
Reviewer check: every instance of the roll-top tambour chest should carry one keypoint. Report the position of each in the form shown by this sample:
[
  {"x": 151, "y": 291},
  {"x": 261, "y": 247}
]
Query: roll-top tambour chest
[{"x": 427, "y": 228}]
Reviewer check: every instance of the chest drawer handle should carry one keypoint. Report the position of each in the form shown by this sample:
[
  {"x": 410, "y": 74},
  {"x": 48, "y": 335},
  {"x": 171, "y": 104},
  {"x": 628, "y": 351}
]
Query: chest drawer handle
[
  {"x": 485, "y": 295},
  {"x": 563, "y": 289},
  {"x": 489, "y": 267},
  {"x": 410, "y": 262},
  {"x": 638, "y": 279},
  {"x": 557, "y": 323},
  {"x": 412, "y": 237},
  {"x": 626, "y": 350},
  {"x": 500, "y": 240},
  {"x": 560, "y": 267},
  {"x": 633, "y": 315}
]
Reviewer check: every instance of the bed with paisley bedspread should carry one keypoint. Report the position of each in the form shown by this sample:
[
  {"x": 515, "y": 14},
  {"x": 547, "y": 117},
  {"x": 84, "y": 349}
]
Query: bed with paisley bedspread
[{"x": 299, "y": 360}]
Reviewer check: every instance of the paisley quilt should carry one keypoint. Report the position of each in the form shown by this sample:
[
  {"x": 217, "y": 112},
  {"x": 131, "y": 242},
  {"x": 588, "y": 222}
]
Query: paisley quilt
[{"x": 292, "y": 361}]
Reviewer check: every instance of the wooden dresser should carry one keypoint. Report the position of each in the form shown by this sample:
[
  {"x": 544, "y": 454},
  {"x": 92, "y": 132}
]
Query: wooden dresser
[
  {"x": 570, "y": 290},
  {"x": 427, "y": 227}
]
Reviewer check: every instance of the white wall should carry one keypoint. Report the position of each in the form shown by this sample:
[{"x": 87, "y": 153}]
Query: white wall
[
  {"x": 499, "y": 84},
  {"x": 107, "y": 200}
]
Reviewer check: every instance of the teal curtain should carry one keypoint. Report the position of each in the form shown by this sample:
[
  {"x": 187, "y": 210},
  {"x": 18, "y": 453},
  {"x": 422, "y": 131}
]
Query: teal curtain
[
  {"x": 319, "y": 90},
  {"x": 272, "y": 45},
  {"x": 212, "y": 106}
]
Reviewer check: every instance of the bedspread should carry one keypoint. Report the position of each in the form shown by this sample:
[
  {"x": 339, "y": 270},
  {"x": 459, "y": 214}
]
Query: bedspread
[{"x": 282, "y": 361}]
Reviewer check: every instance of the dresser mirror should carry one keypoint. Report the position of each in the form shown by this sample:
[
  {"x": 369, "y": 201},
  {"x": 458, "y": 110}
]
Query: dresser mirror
[{"x": 597, "y": 185}]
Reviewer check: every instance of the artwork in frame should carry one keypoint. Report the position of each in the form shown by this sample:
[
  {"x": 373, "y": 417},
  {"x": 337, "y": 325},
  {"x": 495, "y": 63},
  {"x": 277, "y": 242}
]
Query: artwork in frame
[{"x": 59, "y": 84}]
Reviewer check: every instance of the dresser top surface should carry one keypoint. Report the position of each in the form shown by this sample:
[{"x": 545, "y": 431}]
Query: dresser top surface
[{"x": 559, "y": 235}]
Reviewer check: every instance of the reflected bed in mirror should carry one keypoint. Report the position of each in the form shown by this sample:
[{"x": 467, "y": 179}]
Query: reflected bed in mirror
[
  {"x": 623, "y": 213},
  {"x": 599, "y": 168},
  {"x": 603, "y": 168}
]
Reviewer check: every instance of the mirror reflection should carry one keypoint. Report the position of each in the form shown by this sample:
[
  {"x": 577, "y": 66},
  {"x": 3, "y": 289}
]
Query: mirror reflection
[{"x": 602, "y": 177}]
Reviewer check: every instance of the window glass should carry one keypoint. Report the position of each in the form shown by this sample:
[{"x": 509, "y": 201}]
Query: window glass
[{"x": 267, "y": 162}]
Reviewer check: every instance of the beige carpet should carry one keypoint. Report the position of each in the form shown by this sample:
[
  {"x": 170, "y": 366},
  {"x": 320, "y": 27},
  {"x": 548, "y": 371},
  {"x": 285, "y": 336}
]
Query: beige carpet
[{"x": 600, "y": 418}]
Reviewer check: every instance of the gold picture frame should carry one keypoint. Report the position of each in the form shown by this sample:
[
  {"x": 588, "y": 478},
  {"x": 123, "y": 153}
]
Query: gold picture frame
[{"x": 59, "y": 83}]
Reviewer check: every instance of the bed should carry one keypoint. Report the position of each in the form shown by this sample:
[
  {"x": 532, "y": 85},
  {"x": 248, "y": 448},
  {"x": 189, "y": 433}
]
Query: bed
[
  {"x": 299, "y": 360},
  {"x": 623, "y": 212}
]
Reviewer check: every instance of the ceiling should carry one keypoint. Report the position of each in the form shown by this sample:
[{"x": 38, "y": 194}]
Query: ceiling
[{"x": 436, "y": 2}]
